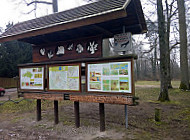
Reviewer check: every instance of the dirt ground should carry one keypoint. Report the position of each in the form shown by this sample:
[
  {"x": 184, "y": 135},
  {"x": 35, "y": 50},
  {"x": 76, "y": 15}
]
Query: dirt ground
[{"x": 22, "y": 125}]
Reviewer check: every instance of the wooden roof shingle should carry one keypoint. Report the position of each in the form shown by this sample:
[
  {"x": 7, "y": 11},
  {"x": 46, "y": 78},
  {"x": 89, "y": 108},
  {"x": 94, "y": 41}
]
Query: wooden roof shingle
[{"x": 48, "y": 23}]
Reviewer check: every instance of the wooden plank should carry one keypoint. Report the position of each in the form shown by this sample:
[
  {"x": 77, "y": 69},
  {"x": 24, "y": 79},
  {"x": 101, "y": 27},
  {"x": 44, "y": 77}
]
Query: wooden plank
[
  {"x": 102, "y": 117},
  {"x": 69, "y": 54},
  {"x": 112, "y": 58},
  {"x": 56, "y": 112},
  {"x": 77, "y": 114},
  {"x": 38, "y": 107},
  {"x": 102, "y": 99},
  {"x": 58, "y": 97}
]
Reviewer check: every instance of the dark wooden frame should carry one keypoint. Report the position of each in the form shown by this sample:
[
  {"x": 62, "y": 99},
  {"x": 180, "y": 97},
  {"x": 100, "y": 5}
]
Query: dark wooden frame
[
  {"x": 70, "y": 64},
  {"x": 44, "y": 69},
  {"x": 112, "y": 61}
]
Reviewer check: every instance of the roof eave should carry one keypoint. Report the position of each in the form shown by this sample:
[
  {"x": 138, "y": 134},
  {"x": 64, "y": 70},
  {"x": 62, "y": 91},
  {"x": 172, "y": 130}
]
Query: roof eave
[{"x": 92, "y": 19}]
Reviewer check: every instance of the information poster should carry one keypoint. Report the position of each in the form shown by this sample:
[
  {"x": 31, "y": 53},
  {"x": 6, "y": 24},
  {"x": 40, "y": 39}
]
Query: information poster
[
  {"x": 64, "y": 78},
  {"x": 110, "y": 77},
  {"x": 32, "y": 78}
]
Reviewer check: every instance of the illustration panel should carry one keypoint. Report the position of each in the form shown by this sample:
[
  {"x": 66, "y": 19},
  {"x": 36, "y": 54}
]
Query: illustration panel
[
  {"x": 110, "y": 77},
  {"x": 32, "y": 78}
]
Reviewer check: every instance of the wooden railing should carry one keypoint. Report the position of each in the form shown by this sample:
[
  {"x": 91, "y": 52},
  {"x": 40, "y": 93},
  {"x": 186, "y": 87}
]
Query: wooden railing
[{"x": 8, "y": 82}]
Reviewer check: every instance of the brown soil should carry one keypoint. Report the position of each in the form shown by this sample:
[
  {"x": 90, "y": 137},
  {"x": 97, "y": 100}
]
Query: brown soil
[{"x": 23, "y": 125}]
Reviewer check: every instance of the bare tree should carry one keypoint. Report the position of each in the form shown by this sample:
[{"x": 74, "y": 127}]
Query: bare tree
[
  {"x": 163, "y": 54},
  {"x": 183, "y": 46},
  {"x": 34, "y": 5}
]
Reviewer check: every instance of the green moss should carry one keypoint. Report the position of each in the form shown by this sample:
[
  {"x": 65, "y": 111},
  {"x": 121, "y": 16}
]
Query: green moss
[{"x": 183, "y": 86}]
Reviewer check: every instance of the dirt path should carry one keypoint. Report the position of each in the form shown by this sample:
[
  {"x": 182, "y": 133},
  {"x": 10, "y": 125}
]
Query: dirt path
[
  {"x": 9, "y": 94},
  {"x": 22, "y": 125},
  {"x": 141, "y": 125}
]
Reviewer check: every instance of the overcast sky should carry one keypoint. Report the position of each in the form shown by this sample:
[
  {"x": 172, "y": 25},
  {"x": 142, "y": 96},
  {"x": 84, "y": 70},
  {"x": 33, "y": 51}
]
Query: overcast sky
[{"x": 11, "y": 11}]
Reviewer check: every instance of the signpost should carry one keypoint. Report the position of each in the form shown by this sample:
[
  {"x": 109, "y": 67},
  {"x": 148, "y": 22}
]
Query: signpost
[
  {"x": 65, "y": 40},
  {"x": 108, "y": 80}
]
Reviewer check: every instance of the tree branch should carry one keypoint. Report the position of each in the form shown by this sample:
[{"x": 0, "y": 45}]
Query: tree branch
[
  {"x": 174, "y": 46},
  {"x": 39, "y": 2}
]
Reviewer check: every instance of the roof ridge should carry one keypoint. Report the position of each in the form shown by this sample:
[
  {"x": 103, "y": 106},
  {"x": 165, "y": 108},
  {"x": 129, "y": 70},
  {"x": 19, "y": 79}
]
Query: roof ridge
[
  {"x": 65, "y": 11},
  {"x": 59, "y": 12}
]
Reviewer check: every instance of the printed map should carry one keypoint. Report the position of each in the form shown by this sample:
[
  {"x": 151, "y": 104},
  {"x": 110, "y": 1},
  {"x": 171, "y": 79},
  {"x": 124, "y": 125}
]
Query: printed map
[{"x": 64, "y": 78}]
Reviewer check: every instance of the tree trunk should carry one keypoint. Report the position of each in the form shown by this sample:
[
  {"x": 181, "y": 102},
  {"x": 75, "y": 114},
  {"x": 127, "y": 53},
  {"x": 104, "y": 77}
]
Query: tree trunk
[
  {"x": 183, "y": 46},
  {"x": 155, "y": 60},
  {"x": 168, "y": 45},
  {"x": 138, "y": 69},
  {"x": 55, "y": 6},
  {"x": 163, "y": 54},
  {"x": 145, "y": 69}
]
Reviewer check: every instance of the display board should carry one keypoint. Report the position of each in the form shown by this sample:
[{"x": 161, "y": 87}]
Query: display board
[
  {"x": 32, "y": 78},
  {"x": 64, "y": 78},
  {"x": 111, "y": 77}
]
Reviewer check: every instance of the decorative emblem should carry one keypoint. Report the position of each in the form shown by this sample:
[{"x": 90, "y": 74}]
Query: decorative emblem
[
  {"x": 42, "y": 51},
  {"x": 122, "y": 42},
  {"x": 50, "y": 54},
  {"x": 70, "y": 47},
  {"x": 79, "y": 48},
  {"x": 92, "y": 47},
  {"x": 60, "y": 50}
]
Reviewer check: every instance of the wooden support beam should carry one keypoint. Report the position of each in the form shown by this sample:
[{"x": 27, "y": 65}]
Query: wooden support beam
[
  {"x": 38, "y": 107},
  {"x": 108, "y": 33},
  {"x": 126, "y": 116},
  {"x": 77, "y": 114},
  {"x": 44, "y": 96},
  {"x": 102, "y": 117},
  {"x": 112, "y": 99},
  {"x": 56, "y": 114}
]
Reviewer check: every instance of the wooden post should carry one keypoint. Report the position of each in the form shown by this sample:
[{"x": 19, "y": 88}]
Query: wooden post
[
  {"x": 77, "y": 114},
  {"x": 56, "y": 115},
  {"x": 126, "y": 116},
  {"x": 38, "y": 107},
  {"x": 102, "y": 117},
  {"x": 157, "y": 115}
]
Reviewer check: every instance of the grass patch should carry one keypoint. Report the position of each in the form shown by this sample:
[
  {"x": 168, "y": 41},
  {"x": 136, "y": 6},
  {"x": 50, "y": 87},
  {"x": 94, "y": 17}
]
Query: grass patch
[
  {"x": 147, "y": 83},
  {"x": 175, "y": 84},
  {"x": 146, "y": 94},
  {"x": 23, "y": 106},
  {"x": 16, "y": 119}
]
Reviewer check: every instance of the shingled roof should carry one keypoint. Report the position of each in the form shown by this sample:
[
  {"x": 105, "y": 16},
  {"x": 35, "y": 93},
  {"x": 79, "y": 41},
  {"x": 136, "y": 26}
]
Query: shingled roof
[{"x": 81, "y": 16}]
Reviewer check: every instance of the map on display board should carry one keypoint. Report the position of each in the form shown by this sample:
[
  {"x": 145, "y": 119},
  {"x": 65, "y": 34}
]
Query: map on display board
[
  {"x": 110, "y": 77},
  {"x": 32, "y": 78},
  {"x": 64, "y": 78}
]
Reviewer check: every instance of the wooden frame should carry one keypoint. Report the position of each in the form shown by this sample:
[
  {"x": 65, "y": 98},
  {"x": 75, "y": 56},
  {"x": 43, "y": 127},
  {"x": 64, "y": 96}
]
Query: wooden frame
[
  {"x": 32, "y": 67},
  {"x": 132, "y": 91},
  {"x": 62, "y": 90}
]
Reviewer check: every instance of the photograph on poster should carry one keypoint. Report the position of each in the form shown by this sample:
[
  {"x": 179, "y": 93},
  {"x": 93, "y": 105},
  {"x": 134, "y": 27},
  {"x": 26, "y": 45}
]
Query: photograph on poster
[
  {"x": 64, "y": 78},
  {"x": 32, "y": 78},
  {"x": 110, "y": 77}
]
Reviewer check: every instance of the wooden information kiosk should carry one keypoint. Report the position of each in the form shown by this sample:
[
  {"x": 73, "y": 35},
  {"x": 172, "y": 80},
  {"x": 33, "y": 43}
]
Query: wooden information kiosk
[{"x": 68, "y": 62}]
